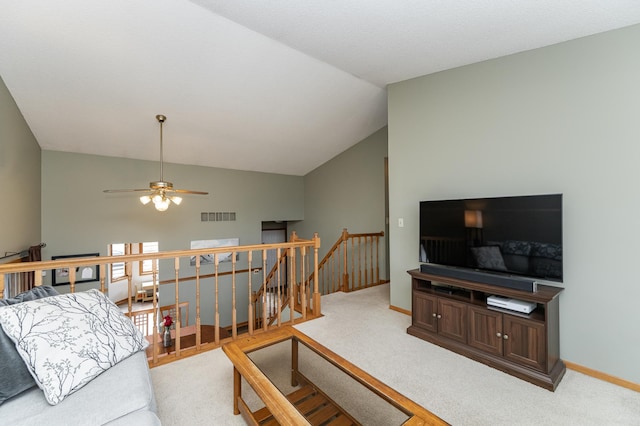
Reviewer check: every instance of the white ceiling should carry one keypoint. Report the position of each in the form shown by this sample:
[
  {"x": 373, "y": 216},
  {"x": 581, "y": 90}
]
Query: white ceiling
[{"x": 274, "y": 86}]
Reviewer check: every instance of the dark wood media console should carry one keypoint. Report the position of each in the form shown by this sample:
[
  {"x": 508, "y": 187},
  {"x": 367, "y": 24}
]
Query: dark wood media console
[{"x": 454, "y": 314}]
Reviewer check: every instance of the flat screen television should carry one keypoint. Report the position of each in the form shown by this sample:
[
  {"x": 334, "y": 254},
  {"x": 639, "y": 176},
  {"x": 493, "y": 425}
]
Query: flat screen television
[{"x": 515, "y": 236}]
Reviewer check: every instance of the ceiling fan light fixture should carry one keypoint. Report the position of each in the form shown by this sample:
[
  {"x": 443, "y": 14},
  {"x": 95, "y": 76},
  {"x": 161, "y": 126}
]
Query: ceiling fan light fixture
[
  {"x": 160, "y": 191},
  {"x": 162, "y": 204}
]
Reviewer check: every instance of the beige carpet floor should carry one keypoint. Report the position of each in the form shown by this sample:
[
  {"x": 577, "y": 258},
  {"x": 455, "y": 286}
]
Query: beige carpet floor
[{"x": 360, "y": 327}]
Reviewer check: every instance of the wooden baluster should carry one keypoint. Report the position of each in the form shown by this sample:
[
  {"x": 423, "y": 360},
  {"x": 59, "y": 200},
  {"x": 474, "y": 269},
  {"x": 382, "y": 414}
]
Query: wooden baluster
[
  {"x": 369, "y": 268},
  {"x": 156, "y": 322},
  {"x": 264, "y": 290},
  {"x": 37, "y": 279},
  {"x": 176, "y": 267},
  {"x": 292, "y": 278},
  {"x": 129, "y": 275},
  {"x": 2, "y": 281},
  {"x": 103, "y": 275},
  {"x": 335, "y": 276},
  {"x": 360, "y": 262},
  {"x": 72, "y": 279},
  {"x": 378, "y": 259},
  {"x": 217, "y": 309},
  {"x": 292, "y": 281},
  {"x": 345, "y": 277},
  {"x": 198, "y": 322},
  {"x": 353, "y": 267},
  {"x": 234, "y": 324},
  {"x": 250, "y": 312},
  {"x": 303, "y": 287}
]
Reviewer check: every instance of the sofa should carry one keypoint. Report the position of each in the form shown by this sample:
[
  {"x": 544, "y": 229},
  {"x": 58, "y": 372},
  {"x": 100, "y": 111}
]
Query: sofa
[{"x": 104, "y": 380}]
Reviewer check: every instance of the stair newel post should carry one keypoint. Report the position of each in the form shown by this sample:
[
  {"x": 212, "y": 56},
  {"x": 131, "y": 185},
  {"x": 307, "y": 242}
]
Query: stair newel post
[
  {"x": 234, "y": 323},
  {"x": 279, "y": 288},
  {"x": 345, "y": 270},
  {"x": 178, "y": 322},
  {"x": 291, "y": 251},
  {"x": 316, "y": 294},
  {"x": 198, "y": 331},
  {"x": 250, "y": 312},
  {"x": 217, "y": 307}
]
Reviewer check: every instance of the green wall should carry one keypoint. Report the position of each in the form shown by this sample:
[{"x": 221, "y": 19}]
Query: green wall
[
  {"x": 561, "y": 119},
  {"x": 347, "y": 192},
  {"x": 78, "y": 217},
  {"x": 20, "y": 177}
]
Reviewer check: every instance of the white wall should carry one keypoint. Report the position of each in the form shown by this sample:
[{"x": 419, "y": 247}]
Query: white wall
[{"x": 561, "y": 119}]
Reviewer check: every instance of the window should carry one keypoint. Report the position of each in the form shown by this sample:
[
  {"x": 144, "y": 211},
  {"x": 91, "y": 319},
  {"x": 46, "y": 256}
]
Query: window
[
  {"x": 146, "y": 266},
  {"x": 117, "y": 270}
]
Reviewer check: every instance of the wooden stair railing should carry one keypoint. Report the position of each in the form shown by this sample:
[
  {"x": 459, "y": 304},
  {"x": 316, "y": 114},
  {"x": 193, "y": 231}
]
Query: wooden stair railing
[
  {"x": 224, "y": 288},
  {"x": 352, "y": 263},
  {"x": 282, "y": 288}
]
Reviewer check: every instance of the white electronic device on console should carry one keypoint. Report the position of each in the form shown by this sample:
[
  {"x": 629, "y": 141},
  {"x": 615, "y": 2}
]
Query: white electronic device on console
[{"x": 511, "y": 304}]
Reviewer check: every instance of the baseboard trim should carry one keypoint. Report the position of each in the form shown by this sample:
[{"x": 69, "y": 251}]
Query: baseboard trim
[
  {"x": 603, "y": 376},
  {"x": 402, "y": 311}
]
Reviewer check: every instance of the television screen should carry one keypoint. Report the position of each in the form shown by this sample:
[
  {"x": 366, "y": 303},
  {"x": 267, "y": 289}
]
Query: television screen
[{"x": 519, "y": 235}]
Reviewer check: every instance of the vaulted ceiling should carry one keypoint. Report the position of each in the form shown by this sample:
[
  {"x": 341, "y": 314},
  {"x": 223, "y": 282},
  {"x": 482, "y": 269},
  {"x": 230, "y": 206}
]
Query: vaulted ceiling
[{"x": 274, "y": 86}]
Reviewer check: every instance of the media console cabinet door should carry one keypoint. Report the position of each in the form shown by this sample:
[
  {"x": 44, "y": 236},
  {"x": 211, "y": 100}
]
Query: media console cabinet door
[
  {"x": 425, "y": 311},
  {"x": 452, "y": 319},
  {"x": 485, "y": 330},
  {"x": 526, "y": 343}
]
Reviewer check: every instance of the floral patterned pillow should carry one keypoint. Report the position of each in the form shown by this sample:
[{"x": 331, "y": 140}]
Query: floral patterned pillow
[{"x": 68, "y": 340}]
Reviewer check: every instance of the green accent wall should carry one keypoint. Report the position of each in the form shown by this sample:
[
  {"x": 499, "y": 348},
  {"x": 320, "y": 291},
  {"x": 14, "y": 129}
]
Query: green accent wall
[
  {"x": 78, "y": 217},
  {"x": 560, "y": 119},
  {"x": 347, "y": 191},
  {"x": 20, "y": 177}
]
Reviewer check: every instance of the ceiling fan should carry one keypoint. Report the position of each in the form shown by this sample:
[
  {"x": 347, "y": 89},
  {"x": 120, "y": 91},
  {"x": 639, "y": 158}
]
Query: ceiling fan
[{"x": 160, "y": 192}]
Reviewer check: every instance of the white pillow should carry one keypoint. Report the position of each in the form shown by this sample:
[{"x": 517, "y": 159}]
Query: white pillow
[{"x": 68, "y": 340}]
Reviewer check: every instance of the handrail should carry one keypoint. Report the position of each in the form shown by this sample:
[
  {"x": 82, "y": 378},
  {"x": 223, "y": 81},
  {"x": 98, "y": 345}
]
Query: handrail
[{"x": 229, "y": 291}]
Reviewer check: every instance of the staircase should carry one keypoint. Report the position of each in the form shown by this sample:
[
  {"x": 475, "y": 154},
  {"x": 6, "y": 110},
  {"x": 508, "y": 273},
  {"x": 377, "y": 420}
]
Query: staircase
[{"x": 352, "y": 263}]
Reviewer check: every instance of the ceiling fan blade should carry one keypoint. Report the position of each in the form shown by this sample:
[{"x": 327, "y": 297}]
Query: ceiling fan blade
[
  {"x": 188, "y": 191},
  {"x": 160, "y": 188},
  {"x": 126, "y": 190}
]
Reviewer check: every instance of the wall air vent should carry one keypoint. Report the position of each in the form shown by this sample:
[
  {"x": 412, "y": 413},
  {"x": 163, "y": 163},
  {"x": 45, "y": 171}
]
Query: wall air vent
[{"x": 218, "y": 216}]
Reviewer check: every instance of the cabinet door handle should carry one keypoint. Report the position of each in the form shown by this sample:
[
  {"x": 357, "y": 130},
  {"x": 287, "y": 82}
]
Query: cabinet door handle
[
  {"x": 434, "y": 314},
  {"x": 505, "y": 337},
  {"x": 439, "y": 316},
  {"x": 498, "y": 334}
]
